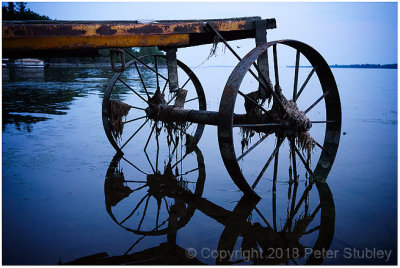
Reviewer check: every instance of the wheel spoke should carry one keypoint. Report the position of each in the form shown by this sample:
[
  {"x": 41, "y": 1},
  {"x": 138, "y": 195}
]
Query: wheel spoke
[
  {"x": 274, "y": 188},
  {"x": 148, "y": 67},
  {"x": 322, "y": 148},
  {"x": 294, "y": 212},
  {"x": 141, "y": 80},
  {"x": 323, "y": 122},
  {"x": 305, "y": 83},
  {"x": 134, "y": 244},
  {"x": 143, "y": 236},
  {"x": 302, "y": 160},
  {"x": 292, "y": 206},
  {"x": 148, "y": 139},
  {"x": 191, "y": 99},
  {"x": 276, "y": 65},
  {"x": 190, "y": 171},
  {"x": 262, "y": 217},
  {"x": 302, "y": 199},
  {"x": 134, "y": 166},
  {"x": 251, "y": 148},
  {"x": 134, "y": 210},
  {"x": 187, "y": 81},
  {"x": 158, "y": 211},
  {"x": 137, "y": 94},
  {"x": 134, "y": 119},
  {"x": 158, "y": 152},
  {"x": 280, "y": 140},
  {"x": 183, "y": 157},
  {"x": 166, "y": 204},
  {"x": 316, "y": 102},
  {"x": 296, "y": 74},
  {"x": 316, "y": 211},
  {"x": 293, "y": 160},
  {"x": 251, "y": 100},
  {"x": 139, "y": 188},
  {"x": 137, "y": 108},
  {"x": 148, "y": 160},
  {"x": 165, "y": 86},
  {"x": 311, "y": 230},
  {"x": 172, "y": 99},
  {"x": 156, "y": 67},
  {"x": 134, "y": 134},
  {"x": 144, "y": 212},
  {"x": 289, "y": 220}
]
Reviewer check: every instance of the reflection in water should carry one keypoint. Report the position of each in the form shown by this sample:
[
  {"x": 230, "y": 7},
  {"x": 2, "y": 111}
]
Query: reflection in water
[
  {"x": 164, "y": 202},
  {"x": 30, "y": 95}
]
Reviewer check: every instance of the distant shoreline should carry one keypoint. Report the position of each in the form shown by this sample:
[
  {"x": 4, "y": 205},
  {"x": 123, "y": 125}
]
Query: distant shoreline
[{"x": 357, "y": 66}]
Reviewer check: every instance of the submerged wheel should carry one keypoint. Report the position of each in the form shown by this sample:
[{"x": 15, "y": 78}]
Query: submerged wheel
[
  {"x": 130, "y": 92},
  {"x": 307, "y": 116}
]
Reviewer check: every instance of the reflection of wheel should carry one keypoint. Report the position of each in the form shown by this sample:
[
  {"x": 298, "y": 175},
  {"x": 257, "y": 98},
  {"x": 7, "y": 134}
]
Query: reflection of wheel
[
  {"x": 130, "y": 92},
  {"x": 287, "y": 118},
  {"x": 264, "y": 243},
  {"x": 153, "y": 203}
]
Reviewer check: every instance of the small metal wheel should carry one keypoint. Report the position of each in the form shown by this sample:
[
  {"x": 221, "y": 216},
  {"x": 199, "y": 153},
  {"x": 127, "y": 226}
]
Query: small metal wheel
[
  {"x": 258, "y": 112},
  {"x": 304, "y": 231},
  {"x": 143, "y": 84},
  {"x": 146, "y": 201}
]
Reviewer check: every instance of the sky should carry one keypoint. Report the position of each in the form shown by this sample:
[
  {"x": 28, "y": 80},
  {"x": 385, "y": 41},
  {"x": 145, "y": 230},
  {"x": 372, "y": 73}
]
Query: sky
[{"x": 344, "y": 33}]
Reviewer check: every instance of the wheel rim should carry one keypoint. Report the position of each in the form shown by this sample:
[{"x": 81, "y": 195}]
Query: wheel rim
[
  {"x": 141, "y": 91},
  {"x": 332, "y": 114}
]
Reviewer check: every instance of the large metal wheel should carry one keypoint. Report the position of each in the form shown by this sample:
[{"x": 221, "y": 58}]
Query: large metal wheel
[
  {"x": 144, "y": 83},
  {"x": 307, "y": 116}
]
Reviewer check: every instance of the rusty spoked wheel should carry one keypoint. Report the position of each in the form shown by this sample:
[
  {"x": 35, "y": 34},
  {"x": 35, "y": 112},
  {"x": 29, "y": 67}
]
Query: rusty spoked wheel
[
  {"x": 305, "y": 110},
  {"x": 148, "y": 203},
  {"x": 141, "y": 84}
]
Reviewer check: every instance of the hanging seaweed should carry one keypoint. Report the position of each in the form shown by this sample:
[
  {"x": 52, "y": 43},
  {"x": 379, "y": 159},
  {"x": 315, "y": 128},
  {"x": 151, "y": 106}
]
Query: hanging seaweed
[
  {"x": 118, "y": 110},
  {"x": 306, "y": 143}
]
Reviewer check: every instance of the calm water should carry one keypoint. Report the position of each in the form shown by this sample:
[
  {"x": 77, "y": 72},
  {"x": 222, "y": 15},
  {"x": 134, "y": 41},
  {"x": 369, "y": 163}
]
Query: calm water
[{"x": 66, "y": 196}]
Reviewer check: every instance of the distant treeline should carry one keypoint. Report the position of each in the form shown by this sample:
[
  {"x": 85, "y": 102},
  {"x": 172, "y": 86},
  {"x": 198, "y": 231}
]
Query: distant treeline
[
  {"x": 366, "y": 66},
  {"x": 360, "y": 66},
  {"x": 18, "y": 11}
]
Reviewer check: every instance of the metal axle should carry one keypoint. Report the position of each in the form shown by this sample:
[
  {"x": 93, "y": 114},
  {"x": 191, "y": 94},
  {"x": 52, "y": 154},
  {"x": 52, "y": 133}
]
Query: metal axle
[{"x": 169, "y": 113}]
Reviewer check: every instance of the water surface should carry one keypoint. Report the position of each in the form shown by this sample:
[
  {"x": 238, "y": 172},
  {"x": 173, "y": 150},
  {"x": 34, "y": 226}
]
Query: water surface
[{"x": 59, "y": 204}]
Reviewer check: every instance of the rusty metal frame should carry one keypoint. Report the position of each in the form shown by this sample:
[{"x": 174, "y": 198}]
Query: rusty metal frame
[{"x": 30, "y": 38}]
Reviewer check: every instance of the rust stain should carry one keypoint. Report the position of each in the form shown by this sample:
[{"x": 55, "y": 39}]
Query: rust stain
[
  {"x": 105, "y": 30},
  {"x": 45, "y": 43}
]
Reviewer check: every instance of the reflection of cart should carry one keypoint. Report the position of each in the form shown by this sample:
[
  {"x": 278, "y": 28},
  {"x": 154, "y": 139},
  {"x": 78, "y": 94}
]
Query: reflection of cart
[
  {"x": 244, "y": 109},
  {"x": 261, "y": 242}
]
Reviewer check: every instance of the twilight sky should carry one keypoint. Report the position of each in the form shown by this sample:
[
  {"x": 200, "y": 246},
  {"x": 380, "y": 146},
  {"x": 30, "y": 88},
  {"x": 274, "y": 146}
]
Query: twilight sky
[{"x": 343, "y": 33}]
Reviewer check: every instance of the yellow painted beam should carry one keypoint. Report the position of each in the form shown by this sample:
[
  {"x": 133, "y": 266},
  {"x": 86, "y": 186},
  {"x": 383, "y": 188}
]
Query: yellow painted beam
[{"x": 98, "y": 42}]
